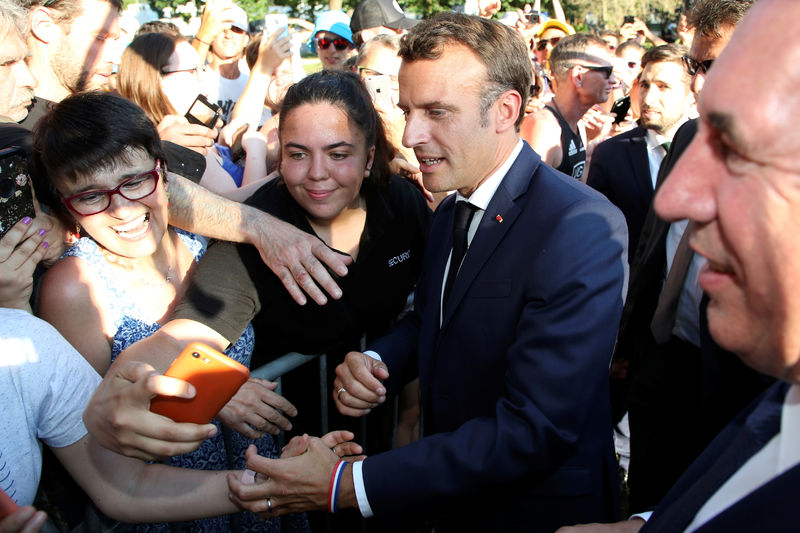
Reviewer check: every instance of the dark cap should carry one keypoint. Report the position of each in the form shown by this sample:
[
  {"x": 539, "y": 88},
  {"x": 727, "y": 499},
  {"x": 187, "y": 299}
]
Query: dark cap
[{"x": 374, "y": 13}]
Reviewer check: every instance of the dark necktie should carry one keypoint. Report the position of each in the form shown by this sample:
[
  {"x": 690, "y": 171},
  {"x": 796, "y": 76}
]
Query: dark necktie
[
  {"x": 666, "y": 145},
  {"x": 461, "y": 220},
  {"x": 664, "y": 316}
]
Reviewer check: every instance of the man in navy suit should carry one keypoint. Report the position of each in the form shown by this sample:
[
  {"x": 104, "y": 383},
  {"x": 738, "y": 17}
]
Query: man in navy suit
[
  {"x": 739, "y": 184},
  {"x": 513, "y": 355},
  {"x": 625, "y": 167}
]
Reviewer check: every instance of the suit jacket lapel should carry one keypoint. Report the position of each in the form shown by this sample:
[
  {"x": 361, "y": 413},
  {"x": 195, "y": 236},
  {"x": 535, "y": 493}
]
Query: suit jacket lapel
[
  {"x": 497, "y": 220},
  {"x": 640, "y": 165}
]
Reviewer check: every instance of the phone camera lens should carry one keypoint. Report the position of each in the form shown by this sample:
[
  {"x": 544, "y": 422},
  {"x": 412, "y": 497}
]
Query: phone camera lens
[{"x": 195, "y": 355}]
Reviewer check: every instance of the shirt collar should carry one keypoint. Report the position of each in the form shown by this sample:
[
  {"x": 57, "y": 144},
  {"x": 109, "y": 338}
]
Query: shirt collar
[
  {"x": 789, "y": 454},
  {"x": 655, "y": 140},
  {"x": 485, "y": 191}
]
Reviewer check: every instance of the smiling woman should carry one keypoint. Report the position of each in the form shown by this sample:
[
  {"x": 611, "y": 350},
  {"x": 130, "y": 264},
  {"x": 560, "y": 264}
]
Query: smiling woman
[{"x": 105, "y": 169}]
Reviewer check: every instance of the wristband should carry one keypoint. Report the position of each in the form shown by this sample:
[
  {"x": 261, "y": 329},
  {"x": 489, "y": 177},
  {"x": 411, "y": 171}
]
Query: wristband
[
  {"x": 333, "y": 490},
  {"x": 196, "y": 38}
]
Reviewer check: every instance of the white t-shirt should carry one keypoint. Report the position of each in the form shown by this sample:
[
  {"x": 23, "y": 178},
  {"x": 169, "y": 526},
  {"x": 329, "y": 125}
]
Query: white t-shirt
[
  {"x": 223, "y": 91},
  {"x": 44, "y": 387}
]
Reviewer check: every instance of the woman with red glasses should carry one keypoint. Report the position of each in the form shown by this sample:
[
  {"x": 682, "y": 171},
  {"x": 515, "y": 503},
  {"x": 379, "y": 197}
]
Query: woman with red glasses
[
  {"x": 332, "y": 39},
  {"x": 105, "y": 170}
]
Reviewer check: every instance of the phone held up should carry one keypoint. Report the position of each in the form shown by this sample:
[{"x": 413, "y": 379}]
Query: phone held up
[
  {"x": 379, "y": 89},
  {"x": 16, "y": 195},
  {"x": 532, "y": 17},
  {"x": 215, "y": 376},
  {"x": 203, "y": 112},
  {"x": 621, "y": 107}
]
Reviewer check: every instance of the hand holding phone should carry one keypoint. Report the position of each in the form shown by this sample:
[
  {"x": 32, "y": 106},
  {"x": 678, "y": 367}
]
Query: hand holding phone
[
  {"x": 215, "y": 376},
  {"x": 16, "y": 195}
]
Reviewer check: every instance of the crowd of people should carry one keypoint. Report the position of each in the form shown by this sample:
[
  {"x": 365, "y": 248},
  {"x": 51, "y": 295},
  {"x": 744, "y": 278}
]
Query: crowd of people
[{"x": 595, "y": 230}]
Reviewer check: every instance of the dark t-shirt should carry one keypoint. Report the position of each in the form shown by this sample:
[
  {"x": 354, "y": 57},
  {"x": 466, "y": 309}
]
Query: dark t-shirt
[
  {"x": 233, "y": 286},
  {"x": 573, "y": 153}
]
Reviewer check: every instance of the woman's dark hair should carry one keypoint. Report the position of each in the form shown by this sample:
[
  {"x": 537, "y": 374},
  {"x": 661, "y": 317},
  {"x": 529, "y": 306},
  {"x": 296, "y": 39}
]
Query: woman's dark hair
[
  {"x": 346, "y": 91},
  {"x": 85, "y": 133}
]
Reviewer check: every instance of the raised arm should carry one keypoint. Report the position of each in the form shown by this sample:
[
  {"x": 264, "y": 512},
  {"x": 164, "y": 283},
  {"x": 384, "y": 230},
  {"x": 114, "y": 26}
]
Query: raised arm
[{"x": 294, "y": 256}]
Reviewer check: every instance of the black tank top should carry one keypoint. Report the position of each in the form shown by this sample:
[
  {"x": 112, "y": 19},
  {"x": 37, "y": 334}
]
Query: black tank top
[{"x": 573, "y": 153}]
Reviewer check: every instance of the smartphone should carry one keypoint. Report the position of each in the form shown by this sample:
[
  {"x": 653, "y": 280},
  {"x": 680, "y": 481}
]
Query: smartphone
[
  {"x": 277, "y": 23},
  {"x": 533, "y": 17},
  {"x": 203, "y": 112},
  {"x": 216, "y": 377},
  {"x": 16, "y": 195},
  {"x": 621, "y": 107},
  {"x": 7, "y": 505},
  {"x": 628, "y": 19},
  {"x": 380, "y": 90}
]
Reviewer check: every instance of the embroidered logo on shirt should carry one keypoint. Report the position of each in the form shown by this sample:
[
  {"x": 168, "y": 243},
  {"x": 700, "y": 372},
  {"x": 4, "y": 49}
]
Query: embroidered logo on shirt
[{"x": 396, "y": 260}]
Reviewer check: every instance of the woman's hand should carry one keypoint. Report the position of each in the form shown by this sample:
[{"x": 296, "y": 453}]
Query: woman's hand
[
  {"x": 21, "y": 249},
  {"x": 257, "y": 404}
]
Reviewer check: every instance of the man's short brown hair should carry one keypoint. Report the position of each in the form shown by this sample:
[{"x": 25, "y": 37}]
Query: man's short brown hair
[
  {"x": 711, "y": 17},
  {"x": 501, "y": 50},
  {"x": 668, "y": 53}
]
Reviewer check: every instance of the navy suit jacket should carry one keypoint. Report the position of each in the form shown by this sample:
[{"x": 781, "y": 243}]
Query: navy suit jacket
[
  {"x": 771, "y": 507},
  {"x": 620, "y": 170},
  {"x": 514, "y": 384}
]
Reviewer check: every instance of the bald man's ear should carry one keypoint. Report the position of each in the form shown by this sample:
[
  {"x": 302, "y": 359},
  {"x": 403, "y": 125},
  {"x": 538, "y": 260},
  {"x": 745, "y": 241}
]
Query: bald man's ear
[
  {"x": 507, "y": 107},
  {"x": 43, "y": 25}
]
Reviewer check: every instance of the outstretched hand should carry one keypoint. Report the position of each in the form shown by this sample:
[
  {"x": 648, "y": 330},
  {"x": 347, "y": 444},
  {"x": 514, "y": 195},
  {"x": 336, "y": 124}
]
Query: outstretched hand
[
  {"x": 291, "y": 485},
  {"x": 24, "y": 520},
  {"x": 257, "y": 404},
  {"x": 297, "y": 258},
  {"x": 118, "y": 415}
]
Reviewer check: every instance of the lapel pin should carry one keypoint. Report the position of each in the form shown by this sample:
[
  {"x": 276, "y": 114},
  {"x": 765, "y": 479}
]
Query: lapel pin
[{"x": 499, "y": 218}]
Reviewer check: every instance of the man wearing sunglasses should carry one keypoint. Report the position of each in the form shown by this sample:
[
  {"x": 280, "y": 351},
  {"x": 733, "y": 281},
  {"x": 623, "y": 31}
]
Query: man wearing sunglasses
[
  {"x": 332, "y": 39},
  {"x": 677, "y": 386},
  {"x": 582, "y": 75}
]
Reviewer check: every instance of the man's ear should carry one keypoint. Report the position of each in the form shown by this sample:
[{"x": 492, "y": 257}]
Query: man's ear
[
  {"x": 507, "y": 109},
  {"x": 576, "y": 75},
  {"x": 43, "y": 25}
]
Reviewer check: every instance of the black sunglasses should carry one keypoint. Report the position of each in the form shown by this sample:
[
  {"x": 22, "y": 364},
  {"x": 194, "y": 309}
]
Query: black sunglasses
[
  {"x": 339, "y": 43},
  {"x": 605, "y": 71},
  {"x": 694, "y": 66},
  {"x": 541, "y": 44}
]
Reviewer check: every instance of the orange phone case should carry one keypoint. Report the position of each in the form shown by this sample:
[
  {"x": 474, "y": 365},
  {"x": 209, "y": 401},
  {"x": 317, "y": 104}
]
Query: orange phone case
[
  {"x": 7, "y": 505},
  {"x": 216, "y": 377}
]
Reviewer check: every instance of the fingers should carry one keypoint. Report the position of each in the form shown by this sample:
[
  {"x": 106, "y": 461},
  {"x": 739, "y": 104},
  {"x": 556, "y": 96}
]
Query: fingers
[
  {"x": 333, "y": 438},
  {"x": 360, "y": 377},
  {"x": 24, "y": 520}
]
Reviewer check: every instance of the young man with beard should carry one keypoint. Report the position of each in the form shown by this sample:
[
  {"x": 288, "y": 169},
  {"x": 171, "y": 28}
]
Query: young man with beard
[{"x": 625, "y": 167}]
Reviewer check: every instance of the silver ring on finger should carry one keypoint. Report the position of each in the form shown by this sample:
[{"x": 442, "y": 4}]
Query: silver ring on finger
[
  {"x": 339, "y": 393},
  {"x": 269, "y": 504}
]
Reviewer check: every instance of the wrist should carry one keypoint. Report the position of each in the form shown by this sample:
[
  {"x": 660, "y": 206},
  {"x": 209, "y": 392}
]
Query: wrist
[{"x": 204, "y": 41}]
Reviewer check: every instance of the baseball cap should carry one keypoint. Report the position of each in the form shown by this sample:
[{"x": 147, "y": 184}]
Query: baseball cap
[
  {"x": 333, "y": 21},
  {"x": 239, "y": 17},
  {"x": 374, "y": 13},
  {"x": 553, "y": 23}
]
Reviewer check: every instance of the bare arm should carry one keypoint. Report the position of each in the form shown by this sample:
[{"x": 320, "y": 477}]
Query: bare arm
[
  {"x": 130, "y": 490},
  {"x": 543, "y": 133},
  {"x": 293, "y": 255},
  {"x": 558, "y": 12}
]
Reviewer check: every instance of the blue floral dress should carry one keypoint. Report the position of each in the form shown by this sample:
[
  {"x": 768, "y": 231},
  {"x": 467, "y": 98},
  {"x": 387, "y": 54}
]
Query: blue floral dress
[{"x": 132, "y": 324}]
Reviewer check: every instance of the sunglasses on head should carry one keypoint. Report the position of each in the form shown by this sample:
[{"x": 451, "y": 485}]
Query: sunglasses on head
[
  {"x": 338, "y": 43},
  {"x": 605, "y": 71},
  {"x": 694, "y": 66},
  {"x": 542, "y": 43}
]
